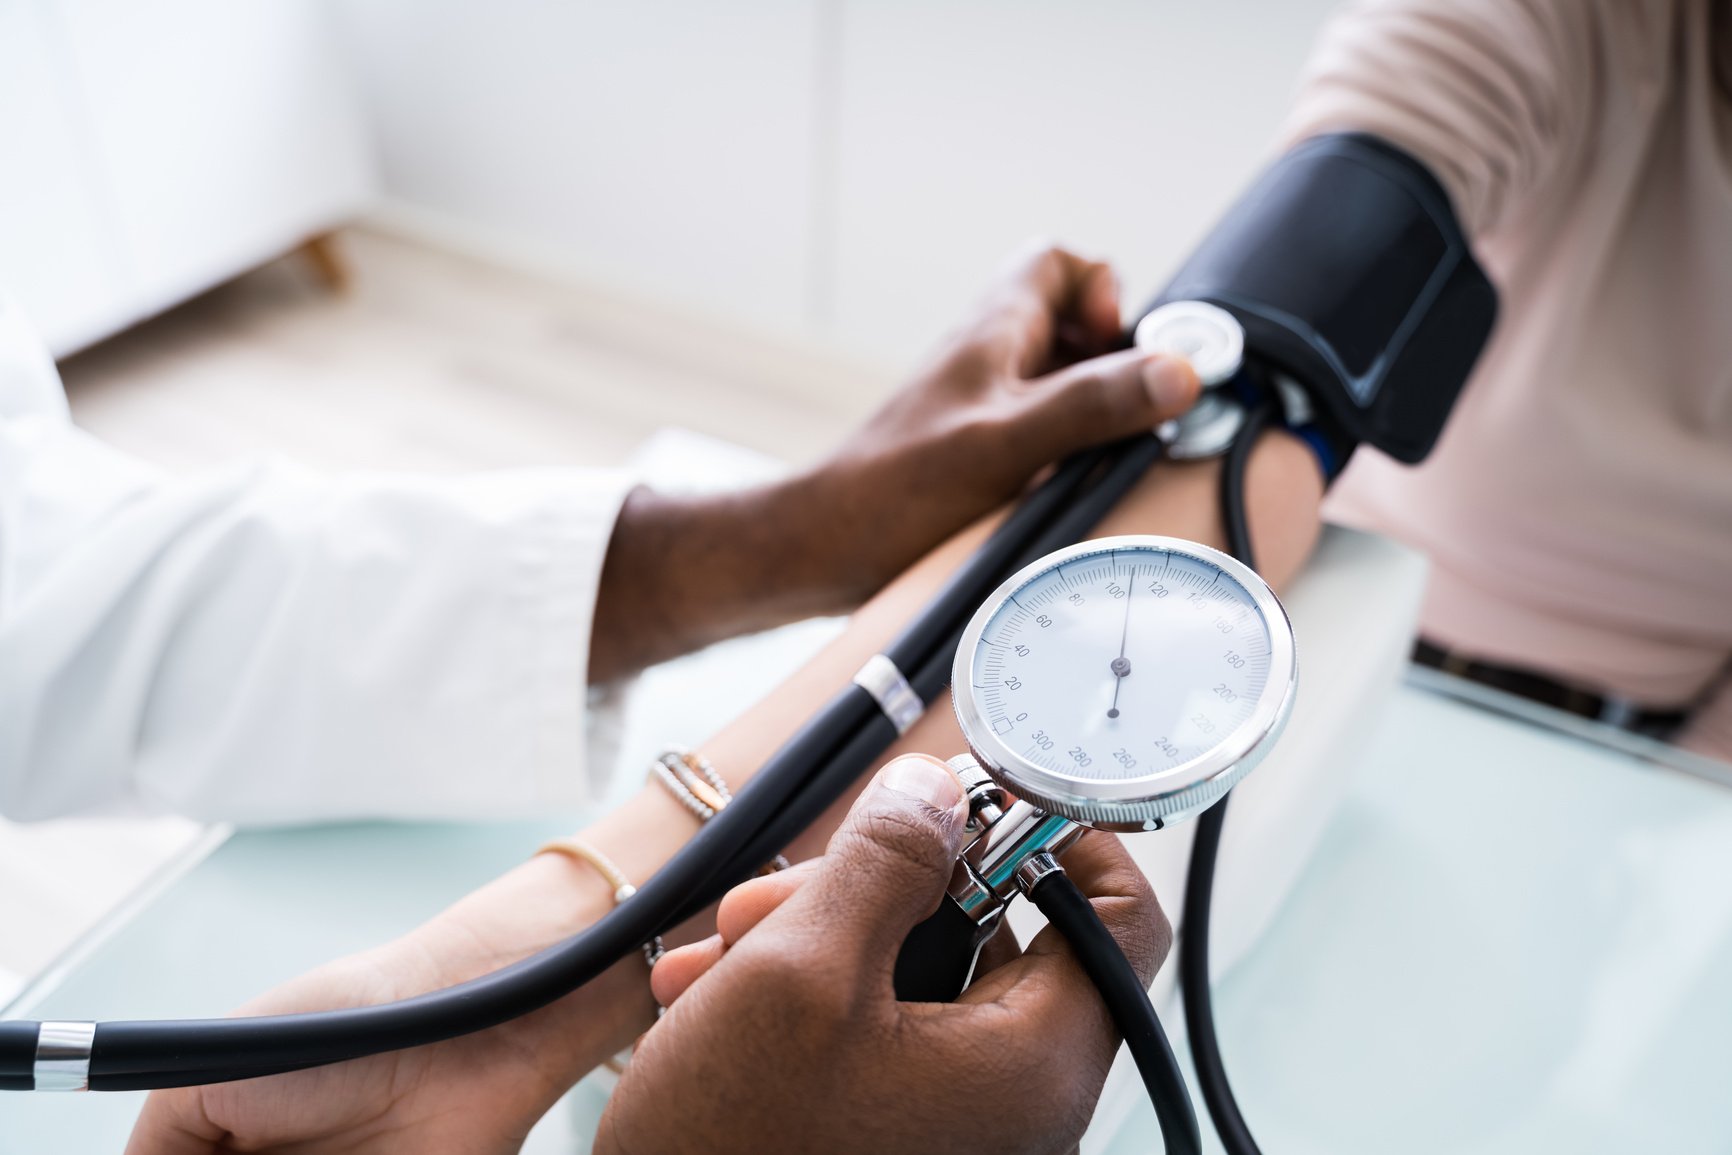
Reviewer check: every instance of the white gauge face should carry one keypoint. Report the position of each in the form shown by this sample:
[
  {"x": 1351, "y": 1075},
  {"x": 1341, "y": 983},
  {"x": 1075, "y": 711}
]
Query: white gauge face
[{"x": 1127, "y": 662}]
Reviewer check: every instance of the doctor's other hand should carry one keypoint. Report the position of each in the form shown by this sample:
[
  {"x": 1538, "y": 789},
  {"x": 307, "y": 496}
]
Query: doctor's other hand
[
  {"x": 1032, "y": 377},
  {"x": 784, "y": 1032}
]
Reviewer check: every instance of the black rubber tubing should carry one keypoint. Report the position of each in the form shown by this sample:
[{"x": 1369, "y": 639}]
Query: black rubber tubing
[
  {"x": 1127, "y": 1000},
  {"x": 147, "y": 1055},
  {"x": 1234, "y": 519},
  {"x": 150, "y": 1055},
  {"x": 17, "y": 1039},
  {"x": 1212, "y": 1082}
]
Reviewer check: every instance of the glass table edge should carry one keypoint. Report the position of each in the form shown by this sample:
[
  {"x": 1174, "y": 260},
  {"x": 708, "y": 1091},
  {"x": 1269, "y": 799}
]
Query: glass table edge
[
  {"x": 39, "y": 986},
  {"x": 1639, "y": 746}
]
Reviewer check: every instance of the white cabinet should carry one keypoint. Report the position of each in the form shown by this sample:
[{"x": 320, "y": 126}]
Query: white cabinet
[
  {"x": 59, "y": 252},
  {"x": 152, "y": 149}
]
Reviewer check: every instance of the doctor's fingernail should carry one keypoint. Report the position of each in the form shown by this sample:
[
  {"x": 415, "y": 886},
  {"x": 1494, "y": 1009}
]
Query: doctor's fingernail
[
  {"x": 1170, "y": 380},
  {"x": 914, "y": 776}
]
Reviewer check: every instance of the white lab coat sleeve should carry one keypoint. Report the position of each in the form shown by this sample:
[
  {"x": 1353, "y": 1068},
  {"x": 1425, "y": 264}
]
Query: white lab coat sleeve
[{"x": 270, "y": 645}]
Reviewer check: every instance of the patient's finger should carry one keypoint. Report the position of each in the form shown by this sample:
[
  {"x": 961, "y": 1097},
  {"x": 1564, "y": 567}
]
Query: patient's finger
[
  {"x": 749, "y": 903},
  {"x": 741, "y": 909},
  {"x": 678, "y": 969}
]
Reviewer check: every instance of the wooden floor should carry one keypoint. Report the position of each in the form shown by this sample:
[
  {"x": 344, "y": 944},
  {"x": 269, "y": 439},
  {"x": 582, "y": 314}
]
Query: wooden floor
[
  {"x": 439, "y": 362},
  {"x": 430, "y": 361}
]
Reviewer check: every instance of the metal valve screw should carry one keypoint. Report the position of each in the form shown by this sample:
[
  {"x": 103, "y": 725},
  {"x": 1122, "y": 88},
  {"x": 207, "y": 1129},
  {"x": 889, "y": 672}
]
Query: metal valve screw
[{"x": 985, "y": 797}]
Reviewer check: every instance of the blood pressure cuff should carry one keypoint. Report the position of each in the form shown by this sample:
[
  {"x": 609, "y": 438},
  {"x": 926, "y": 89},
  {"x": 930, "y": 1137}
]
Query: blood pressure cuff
[{"x": 1349, "y": 272}]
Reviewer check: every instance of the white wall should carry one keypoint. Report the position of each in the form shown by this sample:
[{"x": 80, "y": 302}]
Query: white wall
[
  {"x": 663, "y": 146},
  {"x": 968, "y": 125},
  {"x": 845, "y": 170}
]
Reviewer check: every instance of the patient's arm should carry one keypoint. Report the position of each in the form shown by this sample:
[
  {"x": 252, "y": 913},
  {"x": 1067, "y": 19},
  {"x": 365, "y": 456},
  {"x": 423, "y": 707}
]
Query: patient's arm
[{"x": 482, "y": 1092}]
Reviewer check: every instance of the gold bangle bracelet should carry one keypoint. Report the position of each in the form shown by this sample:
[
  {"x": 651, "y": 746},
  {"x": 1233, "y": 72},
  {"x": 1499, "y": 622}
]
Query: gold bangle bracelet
[{"x": 578, "y": 850}]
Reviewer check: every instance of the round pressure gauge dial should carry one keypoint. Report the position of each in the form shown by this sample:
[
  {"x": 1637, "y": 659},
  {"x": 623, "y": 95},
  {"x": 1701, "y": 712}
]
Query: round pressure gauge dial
[{"x": 1125, "y": 682}]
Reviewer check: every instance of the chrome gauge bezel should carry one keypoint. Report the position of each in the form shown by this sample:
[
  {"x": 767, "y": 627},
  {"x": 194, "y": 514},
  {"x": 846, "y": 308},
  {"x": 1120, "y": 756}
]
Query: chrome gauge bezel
[{"x": 1154, "y": 800}]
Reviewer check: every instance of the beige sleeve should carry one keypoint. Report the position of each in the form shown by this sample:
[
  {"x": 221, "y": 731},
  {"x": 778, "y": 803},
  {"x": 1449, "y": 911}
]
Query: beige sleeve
[{"x": 1501, "y": 99}]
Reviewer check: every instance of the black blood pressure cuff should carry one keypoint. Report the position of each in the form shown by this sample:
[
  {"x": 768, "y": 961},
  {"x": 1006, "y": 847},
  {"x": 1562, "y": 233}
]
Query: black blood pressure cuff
[{"x": 1347, "y": 269}]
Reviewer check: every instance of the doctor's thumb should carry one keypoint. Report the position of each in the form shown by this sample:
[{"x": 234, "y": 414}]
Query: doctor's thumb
[
  {"x": 889, "y": 861},
  {"x": 1104, "y": 399}
]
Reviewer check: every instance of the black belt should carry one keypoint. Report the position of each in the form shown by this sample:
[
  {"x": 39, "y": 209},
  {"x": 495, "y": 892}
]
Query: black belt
[{"x": 1530, "y": 684}]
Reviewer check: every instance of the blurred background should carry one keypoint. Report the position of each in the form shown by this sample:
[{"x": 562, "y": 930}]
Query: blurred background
[
  {"x": 452, "y": 235},
  {"x": 841, "y": 174}
]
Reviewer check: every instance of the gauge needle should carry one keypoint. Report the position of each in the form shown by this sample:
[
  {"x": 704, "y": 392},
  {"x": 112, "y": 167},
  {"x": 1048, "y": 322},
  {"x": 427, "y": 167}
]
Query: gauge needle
[{"x": 1121, "y": 665}]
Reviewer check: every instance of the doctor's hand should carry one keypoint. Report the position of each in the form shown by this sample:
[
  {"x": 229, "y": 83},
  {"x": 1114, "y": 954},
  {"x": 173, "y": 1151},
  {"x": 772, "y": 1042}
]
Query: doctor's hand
[
  {"x": 1031, "y": 378},
  {"x": 783, "y": 1032}
]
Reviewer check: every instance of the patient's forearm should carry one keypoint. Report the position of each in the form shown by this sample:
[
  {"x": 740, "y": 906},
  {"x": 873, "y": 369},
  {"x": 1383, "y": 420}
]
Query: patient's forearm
[{"x": 550, "y": 897}]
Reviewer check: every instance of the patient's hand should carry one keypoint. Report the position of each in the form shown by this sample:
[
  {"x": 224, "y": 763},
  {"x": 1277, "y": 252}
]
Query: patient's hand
[
  {"x": 475, "y": 1094},
  {"x": 784, "y": 1032},
  {"x": 1009, "y": 394}
]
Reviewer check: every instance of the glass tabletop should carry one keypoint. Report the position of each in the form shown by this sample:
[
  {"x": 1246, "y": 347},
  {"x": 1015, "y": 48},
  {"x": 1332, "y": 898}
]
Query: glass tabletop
[{"x": 1516, "y": 937}]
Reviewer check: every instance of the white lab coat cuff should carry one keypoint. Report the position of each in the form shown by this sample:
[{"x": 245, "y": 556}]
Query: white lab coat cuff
[{"x": 575, "y": 727}]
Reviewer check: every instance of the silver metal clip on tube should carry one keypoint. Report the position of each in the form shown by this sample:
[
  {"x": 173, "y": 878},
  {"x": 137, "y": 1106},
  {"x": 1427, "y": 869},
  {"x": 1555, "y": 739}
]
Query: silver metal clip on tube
[
  {"x": 63, "y": 1055},
  {"x": 881, "y": 678}
]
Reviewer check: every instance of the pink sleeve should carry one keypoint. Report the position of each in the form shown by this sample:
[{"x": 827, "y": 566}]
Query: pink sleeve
[
  {"x": 1501, "y": 99},
  {"x": 1709, "y": 731}
]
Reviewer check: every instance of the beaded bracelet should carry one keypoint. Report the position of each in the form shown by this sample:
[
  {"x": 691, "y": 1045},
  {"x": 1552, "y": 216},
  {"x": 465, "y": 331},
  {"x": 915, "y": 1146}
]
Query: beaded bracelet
[
  {"x": 698, "y": 786},
  {"x": 683, "y": 794}
]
